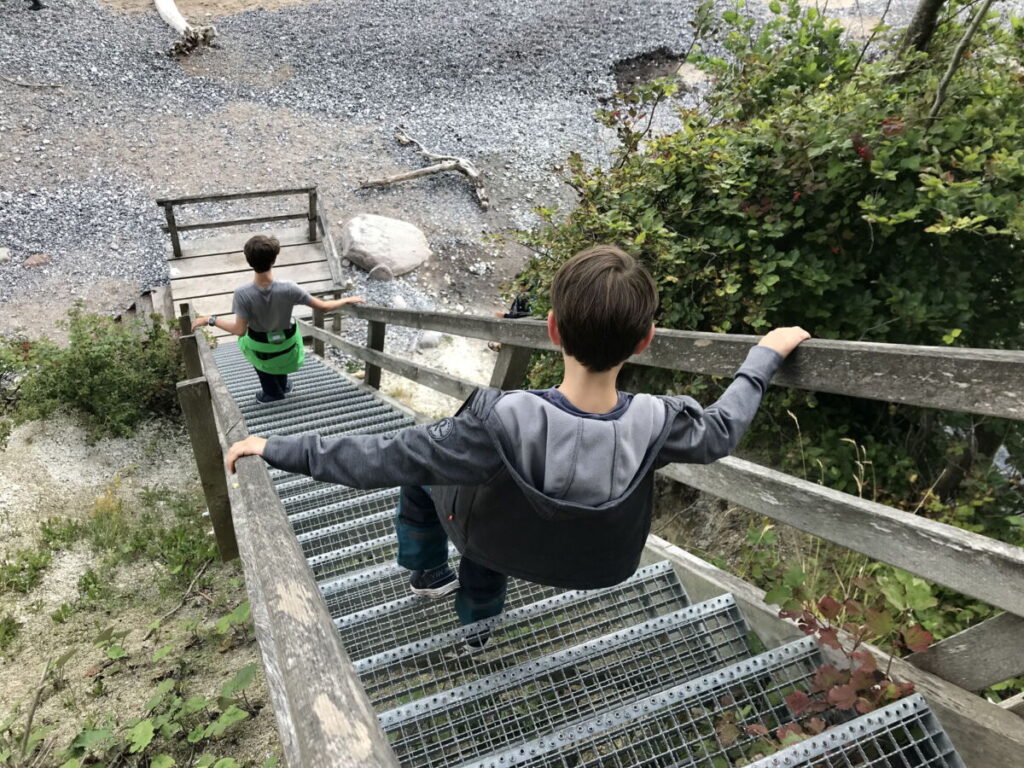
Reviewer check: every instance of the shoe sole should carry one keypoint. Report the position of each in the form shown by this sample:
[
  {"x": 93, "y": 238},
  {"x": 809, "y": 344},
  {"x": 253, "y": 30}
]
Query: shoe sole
[{"x": 442, "y": 591}]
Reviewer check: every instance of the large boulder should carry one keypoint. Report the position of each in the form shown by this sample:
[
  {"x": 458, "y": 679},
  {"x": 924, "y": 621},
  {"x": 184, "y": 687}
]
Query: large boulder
[{"x": 378, "y": 241}]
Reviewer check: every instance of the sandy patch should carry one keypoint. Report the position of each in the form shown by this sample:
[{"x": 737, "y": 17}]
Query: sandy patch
[
  {"x": 41, "y": 314},
  {"x": 201, "y": 11},
  {"x": 457, "y": 355},
  {"x": 238, "y": 66},
  {"x": 859, "y": 27}
]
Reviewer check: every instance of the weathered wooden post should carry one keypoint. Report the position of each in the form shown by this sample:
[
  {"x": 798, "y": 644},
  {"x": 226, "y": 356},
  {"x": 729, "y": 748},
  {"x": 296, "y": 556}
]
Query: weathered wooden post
[
  {"x": 172, "y": 229},
  {"x": 189, "y": 350},
  {"x": 336, "y": 320},
  {"x": 374, "y": 340},
  {"x": 194, "y": 396},
  {"x": 318, "y": 322},
  {"x": 312, "y": 214},
  {"x": 511, "y": 367}
]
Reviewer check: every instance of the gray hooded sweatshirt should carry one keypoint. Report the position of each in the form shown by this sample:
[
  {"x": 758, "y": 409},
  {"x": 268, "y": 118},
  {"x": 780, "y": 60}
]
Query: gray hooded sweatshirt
[{"x": 530, "y": 490}]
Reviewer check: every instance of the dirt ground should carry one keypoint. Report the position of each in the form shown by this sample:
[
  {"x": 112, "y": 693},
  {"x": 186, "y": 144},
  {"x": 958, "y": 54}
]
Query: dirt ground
[{"x": 47, "y": 470}]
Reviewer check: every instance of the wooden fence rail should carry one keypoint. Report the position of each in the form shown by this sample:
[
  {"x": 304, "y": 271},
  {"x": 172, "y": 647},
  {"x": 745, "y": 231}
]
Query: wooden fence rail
[
  {"x": 982, "y": 381},
  {"x": 312, "y": 212}
]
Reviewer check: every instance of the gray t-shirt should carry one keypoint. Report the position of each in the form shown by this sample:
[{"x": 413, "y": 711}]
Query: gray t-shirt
[{"x": 269, "y": 309}]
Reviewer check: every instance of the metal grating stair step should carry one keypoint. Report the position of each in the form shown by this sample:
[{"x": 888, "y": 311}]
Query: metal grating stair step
[
  {"x": 681, "y": 726},
  {"x": 507, "y": 707},
  {"x": 627, "y": 676},
  {"x": 412, "y": 618},
  {"x": 904, "y": 733},
  {"x": 409, "y": 671},
  {"x": 344, "y": 511}
]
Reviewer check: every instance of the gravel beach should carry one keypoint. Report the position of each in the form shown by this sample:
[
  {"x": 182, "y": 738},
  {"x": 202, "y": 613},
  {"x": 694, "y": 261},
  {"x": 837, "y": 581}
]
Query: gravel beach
[{"x": 307, "y": 93}]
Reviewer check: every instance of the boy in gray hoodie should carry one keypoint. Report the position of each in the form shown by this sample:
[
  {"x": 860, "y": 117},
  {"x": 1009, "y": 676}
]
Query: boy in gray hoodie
[{"x": 553, "y": 486}]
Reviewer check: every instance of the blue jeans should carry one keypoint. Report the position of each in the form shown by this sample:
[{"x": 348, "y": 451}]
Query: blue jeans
[
  {"x": 273, "y": 384},
  {"x": 423, "y": 544}
]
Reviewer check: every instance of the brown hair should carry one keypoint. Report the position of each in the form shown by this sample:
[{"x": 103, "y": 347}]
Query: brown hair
[
  {"x": 604, "y": 303},
  {"x": 261, "y": 252}
]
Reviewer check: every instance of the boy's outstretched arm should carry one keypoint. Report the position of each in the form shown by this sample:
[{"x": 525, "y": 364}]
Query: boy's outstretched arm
[
  {"x": 453, "y": 451},
  {"x": 702, "y": 435}
]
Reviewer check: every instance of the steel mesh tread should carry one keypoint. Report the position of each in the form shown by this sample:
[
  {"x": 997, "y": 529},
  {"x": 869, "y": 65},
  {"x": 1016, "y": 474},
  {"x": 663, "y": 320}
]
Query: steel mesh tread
[
  {"x": 537, "y": 696},
  {"x": 306, "y": 404},
  {"x": 904, "y": 734},
  {"x": 326, "y": 423},
  {"x": 328, "y": 518},
  {"x": 369, "y": 527},
  {"x": 681, "y": 726},
  {"x": 403, "y": 673},
  {"x": 410, "y": 618},
  {"x": 354, "y": 557},
  {"x": 359, "y": 591}
]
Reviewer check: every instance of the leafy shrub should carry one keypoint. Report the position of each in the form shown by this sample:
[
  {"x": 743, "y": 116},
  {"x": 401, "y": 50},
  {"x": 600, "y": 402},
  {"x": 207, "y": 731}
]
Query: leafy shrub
[
  {"x": 815, "y": 191},
  {"x": 114, "y": 374}
]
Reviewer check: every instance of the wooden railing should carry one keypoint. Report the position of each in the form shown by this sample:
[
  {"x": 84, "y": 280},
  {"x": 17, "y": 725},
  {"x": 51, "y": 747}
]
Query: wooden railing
[
  {"x": 979, "y": 381},
  {"x": 312, "y": 213},
  {"x": 323, "y": 716}
]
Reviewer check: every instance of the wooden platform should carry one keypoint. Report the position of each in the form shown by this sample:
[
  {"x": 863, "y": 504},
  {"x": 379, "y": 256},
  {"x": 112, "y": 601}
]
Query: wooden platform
[{"x": 210, "y": 269}]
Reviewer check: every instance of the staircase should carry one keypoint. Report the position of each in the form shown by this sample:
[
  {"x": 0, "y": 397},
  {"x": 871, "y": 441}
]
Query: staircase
[{"x": 632, "y": 675}]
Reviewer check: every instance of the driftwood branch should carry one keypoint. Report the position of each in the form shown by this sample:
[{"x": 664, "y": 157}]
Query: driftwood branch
[
  {"x": 191, "y": 37},
  {"x": 441, "y": 163},
  {"x": 23, "y": 84}
]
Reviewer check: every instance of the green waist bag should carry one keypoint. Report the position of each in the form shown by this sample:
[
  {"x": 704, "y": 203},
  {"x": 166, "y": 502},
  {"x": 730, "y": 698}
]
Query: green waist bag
[{"x": 275, "y": 352}]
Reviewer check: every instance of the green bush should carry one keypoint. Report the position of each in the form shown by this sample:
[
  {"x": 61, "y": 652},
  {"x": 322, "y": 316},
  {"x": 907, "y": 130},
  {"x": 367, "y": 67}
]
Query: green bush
[
  {"x": 815, "y": 191},
  {"x": 114, "y": 374}
]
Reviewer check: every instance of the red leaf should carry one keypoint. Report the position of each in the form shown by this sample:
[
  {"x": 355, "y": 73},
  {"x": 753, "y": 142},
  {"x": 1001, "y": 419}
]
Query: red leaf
[
  {"x": 843, "y": 696},
  {"x": 867, "y": 661},
  {"x": 863, "y": 706},
  {"x": 827, "y": 677},
  {"x": 862, "y": 680},
  {"x": 917, "y": 638},
  {"x": 816, "y": 707},
  {"x": 757, "y": 730},
  {"x": 830, "y": 637},
  {"x": 789, "y": 728},
  {"x": 797, "y": 701},
  {"x": 854, "y": 607},
  {"x": 816, "y": 725},
  {"x": 830, "y": 608}
]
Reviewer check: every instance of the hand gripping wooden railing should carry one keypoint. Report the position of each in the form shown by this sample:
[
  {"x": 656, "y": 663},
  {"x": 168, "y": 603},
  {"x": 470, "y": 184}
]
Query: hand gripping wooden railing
[
  {"x": 323, "y": 716},
  {"x": 979, "y": 381}
]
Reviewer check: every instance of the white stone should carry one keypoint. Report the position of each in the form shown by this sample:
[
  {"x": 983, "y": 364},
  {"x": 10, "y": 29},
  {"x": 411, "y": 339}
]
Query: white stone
[
  {"x": 381, "y": 272},
  {"x": 370, "y": 241},
  {"x": 428, "y": 339},
  {"x": 5, "y": 255},
  {"x": 397, "y": 302}
]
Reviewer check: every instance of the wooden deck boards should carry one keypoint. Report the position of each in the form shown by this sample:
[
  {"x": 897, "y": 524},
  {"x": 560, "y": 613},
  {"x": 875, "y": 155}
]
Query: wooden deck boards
[{"x": 211, "y": 268}]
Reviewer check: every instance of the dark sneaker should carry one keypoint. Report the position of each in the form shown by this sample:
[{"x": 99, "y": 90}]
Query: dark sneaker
[
  {"x": 435, "y": 582},
  {"x": 261, "y": 397},
  {"x": 477, "y": 643},
  {"x": 288, "y": 387}
]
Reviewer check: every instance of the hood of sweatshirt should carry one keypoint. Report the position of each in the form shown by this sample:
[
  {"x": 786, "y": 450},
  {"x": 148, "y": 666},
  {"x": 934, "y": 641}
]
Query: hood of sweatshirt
[{"x": 572, "y": 460}]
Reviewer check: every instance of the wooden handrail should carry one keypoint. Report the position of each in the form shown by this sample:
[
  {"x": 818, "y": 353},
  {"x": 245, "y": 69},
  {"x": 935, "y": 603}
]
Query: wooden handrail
[
  {"x": 324, "y": 720},
  {"x": 982, "y": 381},
  {"x": 976, "y": 565}
]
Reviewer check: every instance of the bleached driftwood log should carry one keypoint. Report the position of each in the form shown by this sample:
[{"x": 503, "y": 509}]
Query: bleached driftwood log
[
  {"x": 442, "y": 163},
  {"x": 191, "y": 37}
]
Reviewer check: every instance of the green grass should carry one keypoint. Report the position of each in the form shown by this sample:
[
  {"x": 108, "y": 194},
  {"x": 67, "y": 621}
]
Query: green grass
[{"x": 9, "y": 630}]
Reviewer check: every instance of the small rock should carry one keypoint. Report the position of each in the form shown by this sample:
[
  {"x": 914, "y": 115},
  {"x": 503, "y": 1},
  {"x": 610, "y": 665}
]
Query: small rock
[
  {"x": 397, "y": 302},
  {"x": 36, "y": 260},
  {"x": 5, "y": 255},
  {"x": 381, "y": 272},
  {"x": 428, "y": 340}
]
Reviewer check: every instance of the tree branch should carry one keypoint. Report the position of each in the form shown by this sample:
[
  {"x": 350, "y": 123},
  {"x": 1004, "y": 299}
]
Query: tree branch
[{"x": 940, "y": 95}]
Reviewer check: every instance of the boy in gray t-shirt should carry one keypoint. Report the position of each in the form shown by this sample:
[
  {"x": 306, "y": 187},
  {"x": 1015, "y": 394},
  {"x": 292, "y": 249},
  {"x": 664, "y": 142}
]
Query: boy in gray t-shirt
[{"x": 263, "y": 319}]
